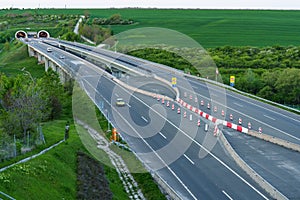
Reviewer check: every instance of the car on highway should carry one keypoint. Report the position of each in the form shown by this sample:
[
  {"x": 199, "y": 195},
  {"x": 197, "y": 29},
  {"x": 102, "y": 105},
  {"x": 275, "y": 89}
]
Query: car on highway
[
  {"x": 49, "y": 49},
  {"x": 120, "y": 102},
  {"x": 62, "y": 57}
]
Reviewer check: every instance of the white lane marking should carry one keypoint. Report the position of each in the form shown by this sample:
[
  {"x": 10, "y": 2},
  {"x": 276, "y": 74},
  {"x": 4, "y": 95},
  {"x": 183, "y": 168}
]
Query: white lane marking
[
  {"x": 213, "y": 94},
  {"x": 189, "y": 137},
  {"x": 188, "y": 159},
  {"x": 292, "y": 136},
  {"x": 269, "y": 117},
  {"x": 116, "y": 95},
  {"x": 283, "y": 115},
  {"x": 162, "y": 135},
  {"x": 240, "y": 105},
  {"x": 128, "y": 105},
  {"x": 144, "y": 119},
  {"x": 227, "y": 195},
  {"x": 195, "y": 87}
]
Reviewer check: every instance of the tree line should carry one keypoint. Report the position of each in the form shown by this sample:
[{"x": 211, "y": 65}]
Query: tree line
[
  {"x": 271, "y": 72},
  {"x": 26, "y": 102}
]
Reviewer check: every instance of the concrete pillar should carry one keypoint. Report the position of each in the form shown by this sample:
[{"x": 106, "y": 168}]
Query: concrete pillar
[
  {"x": 46, "y": 64},
  {"x": 30, "y": 52},
  {"x": 39, "y": 57}
]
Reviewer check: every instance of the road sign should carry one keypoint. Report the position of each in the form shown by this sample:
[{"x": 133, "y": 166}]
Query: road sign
[
  {"x": 174, "y": 81},
  {"x": 232, "y": 80}
]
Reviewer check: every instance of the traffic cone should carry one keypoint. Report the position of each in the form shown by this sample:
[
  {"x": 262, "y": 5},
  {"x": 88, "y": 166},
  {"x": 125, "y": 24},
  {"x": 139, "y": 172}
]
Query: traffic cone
[
  {"x": 208, "y": 106},
  {"x": 231, "y": 117},
  {"x": 168, "y": 103},
  {"x": 215, "y": 109},
  {"x": 191, "y": 97},
  {"x": 240, "y": 120},
  {"x": 173, "y": 107},
  {"x": 162, "y": 100},
  {"x": 215, "y": 130},
  {"x": 223, "y": 113},
  {"x": 196, "y": 99},
  {"x": 184, "y": 114},
  {"x": 260, "y": 130},
  {"x": 202, "y": 103},
  {"x": 198, "y": 123},
  {"x": 178, "y": 111},
  {"x": 249, "y": 125},
  {"x": 158, "y": 98}
]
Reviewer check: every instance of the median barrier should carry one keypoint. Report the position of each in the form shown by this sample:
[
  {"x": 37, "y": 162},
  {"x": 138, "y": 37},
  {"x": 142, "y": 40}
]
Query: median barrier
[
  {"x": 275, "y": 140},
  {"x": 253, "y": 174}
]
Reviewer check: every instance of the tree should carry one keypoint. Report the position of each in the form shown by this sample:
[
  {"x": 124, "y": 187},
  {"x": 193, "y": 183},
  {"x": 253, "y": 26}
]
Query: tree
[
  {"x": 250, "y": 82},
  {"x": 53, "y": 91},
  {"x": 288, "y": 86}
]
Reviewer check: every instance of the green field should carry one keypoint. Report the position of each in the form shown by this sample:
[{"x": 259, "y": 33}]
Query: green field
[{"x": 211, "y": 28}]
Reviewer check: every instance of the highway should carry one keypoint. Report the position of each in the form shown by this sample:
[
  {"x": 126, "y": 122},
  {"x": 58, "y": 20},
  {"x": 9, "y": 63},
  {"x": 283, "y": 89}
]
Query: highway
[{"x": 193, "y": 162}]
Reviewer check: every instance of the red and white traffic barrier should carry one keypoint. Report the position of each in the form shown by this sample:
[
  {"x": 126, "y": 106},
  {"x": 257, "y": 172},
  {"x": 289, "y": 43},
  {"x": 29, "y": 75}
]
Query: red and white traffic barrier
[
  {"x": 173, "y": 106},
  {"x": 211, "y": 118}
]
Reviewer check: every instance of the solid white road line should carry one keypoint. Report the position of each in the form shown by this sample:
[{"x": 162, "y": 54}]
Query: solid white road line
[
  {"x": 144, "y": 119},
  {"x": 162, "y": 135},
  {"x": 227, "y": 195},
  {"x": 238, "y": 104},
  {"x": 116, "y": 95},
  {"x": 188, "y": 159},
  {"x": 128, "y": 105},
  {"x": 269, "y": 117}
]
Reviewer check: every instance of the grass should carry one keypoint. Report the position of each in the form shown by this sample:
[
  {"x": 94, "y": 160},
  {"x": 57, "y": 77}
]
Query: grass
[
  {"x": 14, "y": 60},
  {"x": 210, "y": 28}
]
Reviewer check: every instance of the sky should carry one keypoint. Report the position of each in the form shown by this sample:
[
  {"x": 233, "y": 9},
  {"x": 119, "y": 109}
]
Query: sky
[{"x": 202, "y": 4}]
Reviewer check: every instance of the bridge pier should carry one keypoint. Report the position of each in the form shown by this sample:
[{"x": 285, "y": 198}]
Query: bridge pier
[{"x": 31, "y": 52}]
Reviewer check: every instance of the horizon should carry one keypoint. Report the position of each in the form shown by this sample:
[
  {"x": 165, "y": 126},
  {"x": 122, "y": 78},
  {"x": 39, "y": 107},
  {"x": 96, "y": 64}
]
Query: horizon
[{"x": 154, "y": 4}]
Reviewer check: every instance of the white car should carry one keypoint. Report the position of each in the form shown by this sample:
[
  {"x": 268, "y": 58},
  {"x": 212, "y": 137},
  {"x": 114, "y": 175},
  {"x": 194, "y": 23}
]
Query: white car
[
  {"x": 49, "y": 49},
  {"x": 120, "y": 102}
]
